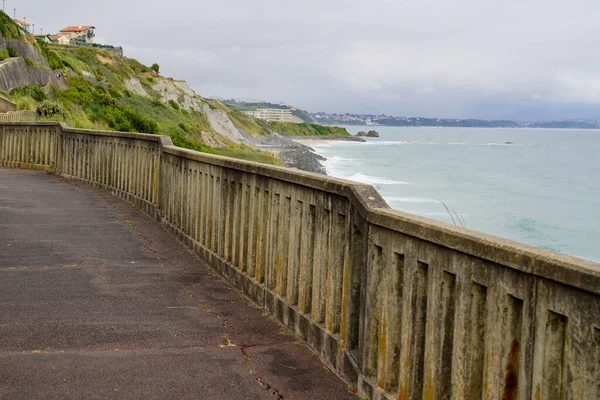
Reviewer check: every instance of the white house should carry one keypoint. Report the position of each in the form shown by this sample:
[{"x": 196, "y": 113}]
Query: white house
[
  {"x": 81, "y": 34},
  {"x": 61, "y": 38}
]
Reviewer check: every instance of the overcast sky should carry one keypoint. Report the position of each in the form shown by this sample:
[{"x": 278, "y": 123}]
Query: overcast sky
[{"x": 517, "y": 59}]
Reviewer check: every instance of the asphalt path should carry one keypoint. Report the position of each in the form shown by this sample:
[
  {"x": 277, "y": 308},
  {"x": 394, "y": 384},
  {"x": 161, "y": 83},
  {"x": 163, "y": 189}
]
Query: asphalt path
[{"x": 97, "y": 301}]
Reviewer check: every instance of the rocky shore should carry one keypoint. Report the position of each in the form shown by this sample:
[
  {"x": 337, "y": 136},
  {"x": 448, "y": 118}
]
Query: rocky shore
[{"x": 294, "y": 154}]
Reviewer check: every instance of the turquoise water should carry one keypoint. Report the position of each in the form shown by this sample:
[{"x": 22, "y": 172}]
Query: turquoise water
[{"x": 543, "y": 188}]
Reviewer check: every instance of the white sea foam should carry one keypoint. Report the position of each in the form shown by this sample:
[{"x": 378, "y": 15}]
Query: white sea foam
[
  {"x": 411, "y": 200},
  {"x": 374, "y": 180}
]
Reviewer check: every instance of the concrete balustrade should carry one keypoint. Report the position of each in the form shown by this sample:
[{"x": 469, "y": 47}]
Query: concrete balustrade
[{"x": 401, "y": 306}]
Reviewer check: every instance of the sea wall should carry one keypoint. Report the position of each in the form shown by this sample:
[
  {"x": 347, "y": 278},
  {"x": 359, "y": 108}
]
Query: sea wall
[{"x": 402, "y": 306}]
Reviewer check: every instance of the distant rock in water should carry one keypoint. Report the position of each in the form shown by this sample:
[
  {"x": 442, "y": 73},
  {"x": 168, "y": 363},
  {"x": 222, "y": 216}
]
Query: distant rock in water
[{"x": 368, "y": 134}]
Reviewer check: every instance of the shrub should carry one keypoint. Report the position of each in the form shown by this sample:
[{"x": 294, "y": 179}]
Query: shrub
[
  {"x": 174, "y": 104},
  {"x": 183, "y": 127},
  {"x": 3, "y": 54},
  {"x": 155, "y": 67},
  {"x": 32, "y": 91},
  {"x": 8, "y": 27},
  {"x": 54, "y": 60},
  {"x": 28, "y": 61},
  {"x": 115, "y": 94},
  {"x": 48, "y": 108},
  {"x": 12, "y": 52}
]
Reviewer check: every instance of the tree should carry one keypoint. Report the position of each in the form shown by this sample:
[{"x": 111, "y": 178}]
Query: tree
[{"x": 155, "y": 67}]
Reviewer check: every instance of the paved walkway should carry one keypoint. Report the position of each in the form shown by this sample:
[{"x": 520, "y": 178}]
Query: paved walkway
[{"x": 98, "y": 301}]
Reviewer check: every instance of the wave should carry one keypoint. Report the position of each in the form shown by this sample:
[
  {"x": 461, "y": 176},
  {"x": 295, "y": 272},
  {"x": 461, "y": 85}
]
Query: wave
[
  {"x": 412, "y": 200},
  {"x": 405, "y": 142},
  {"x": 374, "y": 180},
  {"x": 335, "y": 159}
]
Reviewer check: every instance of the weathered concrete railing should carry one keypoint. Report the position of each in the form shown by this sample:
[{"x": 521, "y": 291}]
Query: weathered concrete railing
[
  {"x": 403, "y": 307},
  {"x": 19, "y": 116}
]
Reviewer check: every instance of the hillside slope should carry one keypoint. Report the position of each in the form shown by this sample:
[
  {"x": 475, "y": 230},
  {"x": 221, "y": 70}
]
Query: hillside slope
[{"x": 93, "y": 88}]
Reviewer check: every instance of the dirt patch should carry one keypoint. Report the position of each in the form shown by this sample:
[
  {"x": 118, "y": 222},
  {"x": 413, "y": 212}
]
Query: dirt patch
[{"x": 106, "y": 60}]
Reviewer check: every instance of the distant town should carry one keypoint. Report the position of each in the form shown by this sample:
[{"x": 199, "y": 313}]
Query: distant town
[{"x": 388, "y": 120}]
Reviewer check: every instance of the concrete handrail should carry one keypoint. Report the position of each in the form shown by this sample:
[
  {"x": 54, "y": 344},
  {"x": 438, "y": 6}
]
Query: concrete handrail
[{"x": 401, "y": 306}]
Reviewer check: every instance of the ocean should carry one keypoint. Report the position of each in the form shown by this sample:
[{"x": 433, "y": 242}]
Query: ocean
[{"x": 536, "y": 186}]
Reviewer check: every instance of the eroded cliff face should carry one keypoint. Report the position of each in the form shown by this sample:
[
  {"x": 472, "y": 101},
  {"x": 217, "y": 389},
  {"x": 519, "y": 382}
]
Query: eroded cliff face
[
  {"x": 182, "y": 94},
  {"x": 14, "y": 73},
  {"x": 25, "y": 50},
  {"x": 217, "y": 131}
]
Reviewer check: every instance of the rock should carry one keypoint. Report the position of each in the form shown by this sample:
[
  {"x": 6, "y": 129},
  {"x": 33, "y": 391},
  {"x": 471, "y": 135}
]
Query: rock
[
  {"x": 25, "y": 50},
  {"x": 133, "y": 85},
  {"x": 154, "y": 74},
  {"x": 14, "y": 73},
  {"x": 220, "y": 123},
  {"x": 368, "y": 134}
]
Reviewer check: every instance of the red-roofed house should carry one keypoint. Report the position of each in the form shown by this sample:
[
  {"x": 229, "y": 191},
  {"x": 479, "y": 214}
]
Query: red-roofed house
[
  {"x": 79, "y": 34},
  {"x": 22, "y": 24}
]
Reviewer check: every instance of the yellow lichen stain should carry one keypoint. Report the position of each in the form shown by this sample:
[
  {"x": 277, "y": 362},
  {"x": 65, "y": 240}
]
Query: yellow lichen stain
[
  {"x": 343, "y": 321},
  {"x": 229, "y": 343},
  {"x": 486, "y": 377},
  {"x": 382, "y": 352},
  {"x": 537, "y": 392},
  {"x": 403, "y": 392},
  {"x": 36, "y": 351},
  {"x": 129, "y": 222},
  {"x": 428, "y": 389}
]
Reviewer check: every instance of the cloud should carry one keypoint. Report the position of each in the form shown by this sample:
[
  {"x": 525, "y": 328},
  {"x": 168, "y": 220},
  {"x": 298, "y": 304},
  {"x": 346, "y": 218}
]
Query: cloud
[{"x": 465, "y": 58}]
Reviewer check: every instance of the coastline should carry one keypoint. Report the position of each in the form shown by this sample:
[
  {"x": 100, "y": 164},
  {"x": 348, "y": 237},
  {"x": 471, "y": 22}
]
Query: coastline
[{"x": 295, "y": 151}]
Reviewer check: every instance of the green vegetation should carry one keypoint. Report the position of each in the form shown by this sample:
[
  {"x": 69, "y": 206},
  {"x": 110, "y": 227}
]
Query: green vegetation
[
  {"x": 304, "y": 129},
  {"x": 99, "y": 105},
  {"x": 8, "y": 27},
  {"x": 97, "y": 97},
  {"x": 155, "y": 67},
  {"x": 48, "y": 108},
  {"x": 12, "y": 52},
  {"x": 304, "y": 116},
  {"x": 28, "y": 61},
  {"x": 33, "y": 91},
  {"x": 174, "y": 104}
]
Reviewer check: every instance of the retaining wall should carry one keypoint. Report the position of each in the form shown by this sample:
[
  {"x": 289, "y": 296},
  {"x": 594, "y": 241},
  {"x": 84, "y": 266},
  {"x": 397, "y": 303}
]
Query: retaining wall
[{"x": 401, "y": 306}]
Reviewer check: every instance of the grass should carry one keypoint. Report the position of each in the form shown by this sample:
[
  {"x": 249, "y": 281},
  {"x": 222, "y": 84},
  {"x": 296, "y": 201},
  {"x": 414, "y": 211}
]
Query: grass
[
  {"x": 9, "y": 28},
  {"x": 248, "y": 124},
  {"x": 304, "y": 129},
  {"x": 88, "y": 104},
  {"x": 247, "y": 153}
]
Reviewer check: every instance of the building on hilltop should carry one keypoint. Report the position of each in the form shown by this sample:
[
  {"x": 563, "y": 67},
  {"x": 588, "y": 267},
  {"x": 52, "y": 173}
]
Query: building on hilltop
[
  {"x": 272, "y": 114},
  {"x": 79, "y": 35},
  {"x": 43, "y": 37},
  {"x": 60, "y": 39},
  {"x": 24, "y": 26}
]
